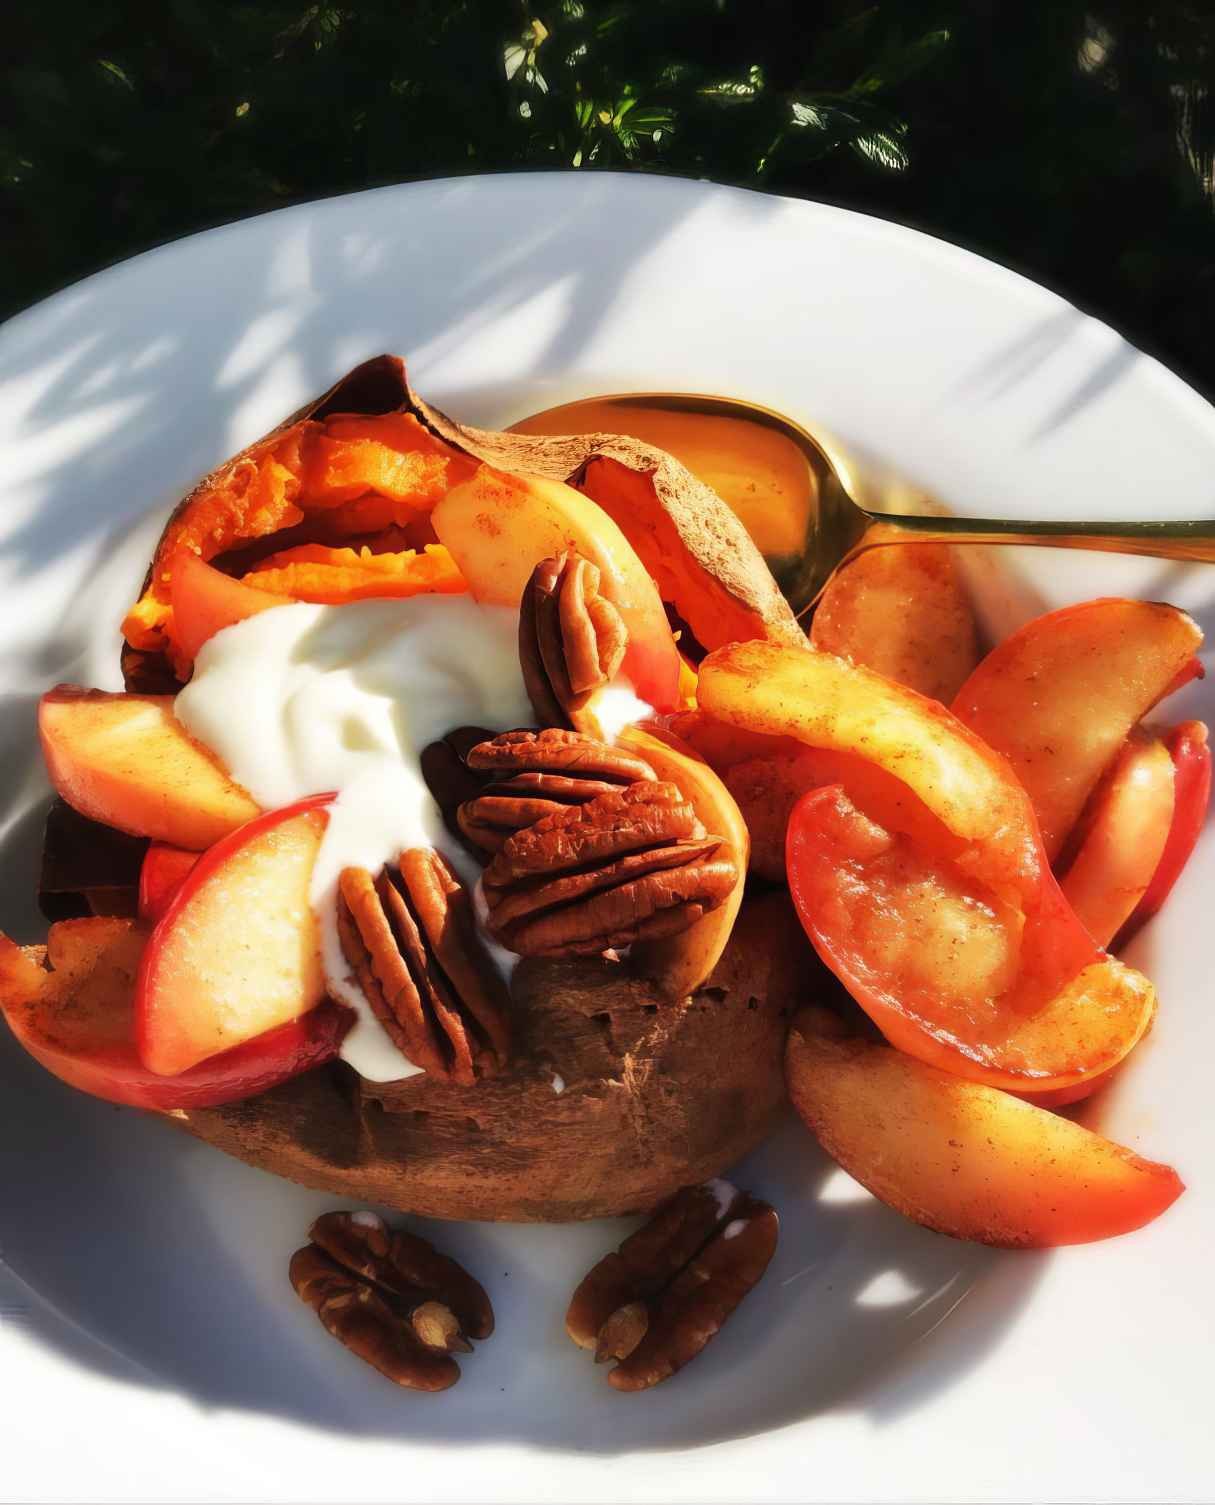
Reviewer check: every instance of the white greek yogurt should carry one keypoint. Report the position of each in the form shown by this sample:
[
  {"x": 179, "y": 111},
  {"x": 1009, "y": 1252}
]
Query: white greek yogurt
[
  {"x": 617, "y": 706},
  {"x": 303, "y": 699}
]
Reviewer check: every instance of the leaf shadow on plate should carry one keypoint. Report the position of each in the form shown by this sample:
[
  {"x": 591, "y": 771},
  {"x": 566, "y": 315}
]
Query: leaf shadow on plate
[
  {"x": 128, "y": 386},
  {"x": 1023, "y": 361}
]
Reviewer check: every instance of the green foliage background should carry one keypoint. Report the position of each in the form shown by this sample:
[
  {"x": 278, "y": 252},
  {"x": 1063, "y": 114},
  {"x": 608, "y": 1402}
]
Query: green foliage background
[{"x": 1073, "y": 141}]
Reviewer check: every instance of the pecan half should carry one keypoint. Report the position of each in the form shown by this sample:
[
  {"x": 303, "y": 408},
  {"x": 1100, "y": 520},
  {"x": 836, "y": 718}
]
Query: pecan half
[
  {"x": 537, "y": 774},
  {"x": 391, "y": 1298},
  {"x": 571, "y": 640},
  {"x": 411, "y": 939},
  {"x": 449, "y": 778},
  {"x": 631, "y": 865},
  {"x": 656, "y": 1301}
]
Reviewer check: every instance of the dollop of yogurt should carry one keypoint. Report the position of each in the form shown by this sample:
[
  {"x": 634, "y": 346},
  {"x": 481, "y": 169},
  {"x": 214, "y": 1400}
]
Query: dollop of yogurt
[{"x": 303, "y": 699}]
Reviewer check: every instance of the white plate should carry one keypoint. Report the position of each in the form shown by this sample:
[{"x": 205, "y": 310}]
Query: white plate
[{"x": 1082, "y": 1374}]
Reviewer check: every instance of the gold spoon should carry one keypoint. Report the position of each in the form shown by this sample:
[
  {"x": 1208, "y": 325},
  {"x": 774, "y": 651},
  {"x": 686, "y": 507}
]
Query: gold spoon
[{"x": 786, "y": 490}]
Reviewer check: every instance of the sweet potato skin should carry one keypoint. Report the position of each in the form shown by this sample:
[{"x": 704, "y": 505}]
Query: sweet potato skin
[{"x": 655, "y": 1095}]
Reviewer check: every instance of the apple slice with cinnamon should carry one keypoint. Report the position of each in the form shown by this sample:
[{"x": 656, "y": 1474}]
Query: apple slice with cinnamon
[
  {"x": 1059, "y": 697},
  {"x": 500, "y": 526},
  {"x": 1121, "y": 838},
  {"x": 903, "y": 610},
  {"x": 962, "y": 1158},
  {"x": 1190, "y": 751},
  {"x": 70, "y": 1005},
  {"x": 205, "y": 600},
  {"x": 126, "y": 761},
  {"x": 237, "y": 952}
]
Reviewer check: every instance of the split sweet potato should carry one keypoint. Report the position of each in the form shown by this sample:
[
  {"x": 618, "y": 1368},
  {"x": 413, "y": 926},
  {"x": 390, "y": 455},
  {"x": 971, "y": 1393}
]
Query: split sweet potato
[{"x": 370, "y": 454}]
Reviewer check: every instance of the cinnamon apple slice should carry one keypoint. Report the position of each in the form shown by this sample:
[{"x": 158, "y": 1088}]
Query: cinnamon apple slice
[
  {"x": 682, "y": 963},
  {"x": 70, "y": 1006},
  {"x": 1122, "y": 838},
  {"x": 126, "y": 760},
  {"x": 917, "y": 870},
  {"x": 205, "y": 600},
  {"x": 1059, "y": 697},
  {"x": 498, "y": 527},
  {"x": 903, "y": 610},
  {"x": 237, "y": 952},
  {"x": 961, "y": 1158},
  {"x": 950, "y": 973},
  {"x": 1190, "y": 752}
]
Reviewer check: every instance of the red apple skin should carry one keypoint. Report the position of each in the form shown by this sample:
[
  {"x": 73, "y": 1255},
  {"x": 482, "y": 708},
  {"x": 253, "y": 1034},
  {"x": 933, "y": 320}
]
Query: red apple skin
[
  {"x": 160, "y": 995},
  {"x": 94, "y": 1049},
  {"x": 1121, "y": 836},
  {"x": 117, "y": 1075},
  {"x": 163, "y": 872},
  {"x": 1191, "y": 754},
  {"x": 1189, "y": 671}
]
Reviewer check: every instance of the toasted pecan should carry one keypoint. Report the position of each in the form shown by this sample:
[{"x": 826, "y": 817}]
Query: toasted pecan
[
  {"x": 655, "y": 1302},
  {"x": 572, "y": 640},
  {"x": 535, "y": 774},
  {"x": 633, "y": 864},
  {"x": 412, "y": 940},
  {"x": 391, "y": 1298}
]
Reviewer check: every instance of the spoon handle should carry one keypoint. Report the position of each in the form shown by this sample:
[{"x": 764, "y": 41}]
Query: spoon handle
[{"x": 1159, "y": 540}]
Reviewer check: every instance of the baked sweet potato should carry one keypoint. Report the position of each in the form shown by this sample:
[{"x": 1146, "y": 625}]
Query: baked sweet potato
[{"x": 618, "y": 1093}]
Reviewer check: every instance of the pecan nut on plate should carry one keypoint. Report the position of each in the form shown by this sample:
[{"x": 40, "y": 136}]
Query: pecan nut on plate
[
  {"x": 631, "y": 865},
  {"x": 653, "y": 1304},
  {"x": 411, "y": 938},
  {"x": 391, "y": 1298},
  {"x": 534, "y": 774},
  {"x": 571, "y": 641}
]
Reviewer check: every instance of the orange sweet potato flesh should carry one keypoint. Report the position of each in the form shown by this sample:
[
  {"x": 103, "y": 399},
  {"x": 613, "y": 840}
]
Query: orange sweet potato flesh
[
  {"x": 335, "y": 576},
  {"x": 316, "y": 465},
  {"x": 391, "y": 455}
]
